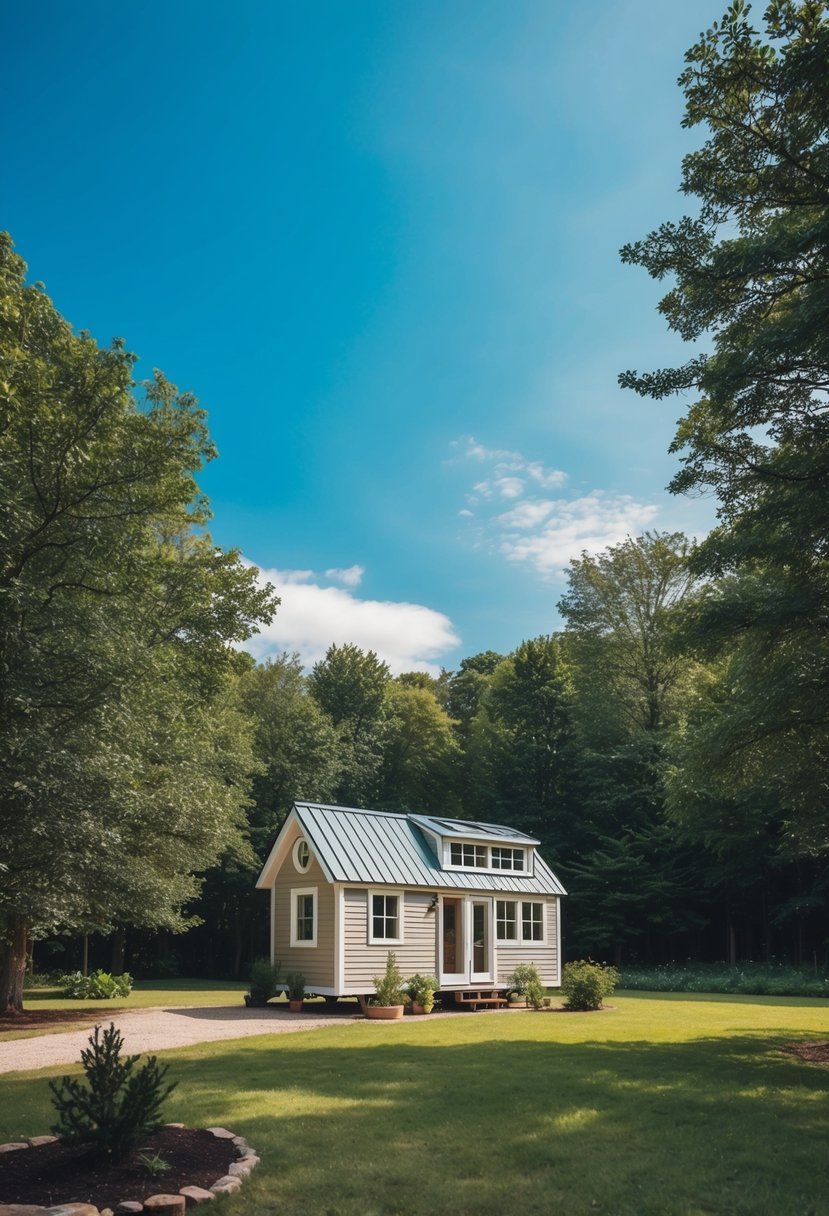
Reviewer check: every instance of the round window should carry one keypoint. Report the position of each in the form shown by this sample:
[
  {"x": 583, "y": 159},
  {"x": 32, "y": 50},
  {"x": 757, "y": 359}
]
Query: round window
[{"x": 302, "y": 855}]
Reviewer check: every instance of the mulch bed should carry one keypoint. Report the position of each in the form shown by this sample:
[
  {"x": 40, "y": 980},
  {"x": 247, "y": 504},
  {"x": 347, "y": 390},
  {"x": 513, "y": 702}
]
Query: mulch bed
[
  {"x": 812, "y": 1053},
  {"x": 55, "y": 1173}
]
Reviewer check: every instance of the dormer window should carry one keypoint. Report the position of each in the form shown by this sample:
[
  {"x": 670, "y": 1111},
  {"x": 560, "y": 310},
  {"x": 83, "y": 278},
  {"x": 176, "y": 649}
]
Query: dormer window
[
  {"x": 464, "y": 855},
  {"x": 507, "y": 859},
  {"x": 469, "y": 856}
]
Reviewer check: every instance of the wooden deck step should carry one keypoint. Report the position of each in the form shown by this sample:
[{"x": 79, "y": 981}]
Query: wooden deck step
[{"x": 474, "y": 998}]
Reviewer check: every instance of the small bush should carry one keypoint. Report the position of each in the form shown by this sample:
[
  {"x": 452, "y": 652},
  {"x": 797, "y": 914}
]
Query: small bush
[
  {"x": 264, "y": 980},
  {"x": 585, "y": 984},
  {"x": 389, "y": 987},
  {"x": 295, "y": 983},
  {"x": 422, "y": 989},
  {"x": 523, "y": 975},
  {"x": 117, "y": 1105},
  {"x": 98, "y": 986}
]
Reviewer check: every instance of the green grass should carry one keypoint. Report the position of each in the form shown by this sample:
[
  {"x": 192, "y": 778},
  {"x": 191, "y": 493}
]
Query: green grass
[
  {"x": 145, "y": 995},
  {"x": 758, "y": 979},
  {"x": 662, "y": 1106}
]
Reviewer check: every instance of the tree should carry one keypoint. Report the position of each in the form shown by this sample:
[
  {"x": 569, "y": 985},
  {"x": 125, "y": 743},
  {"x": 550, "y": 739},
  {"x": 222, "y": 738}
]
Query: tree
[
  {"x": 123, "y": 767},
  {"x": 630, "y": 680},
  {"x": 295, "y": 742},
  {"x": 419, "y": 752},
  {"x": 750, "y": 279},
  {"x": 349, "y": 685},
  {"x": 521, "y": 736}
]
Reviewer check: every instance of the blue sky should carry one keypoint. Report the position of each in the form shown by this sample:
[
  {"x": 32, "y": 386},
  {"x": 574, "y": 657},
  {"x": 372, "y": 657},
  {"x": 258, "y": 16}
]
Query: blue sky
[{"x": 379, "y": 241}]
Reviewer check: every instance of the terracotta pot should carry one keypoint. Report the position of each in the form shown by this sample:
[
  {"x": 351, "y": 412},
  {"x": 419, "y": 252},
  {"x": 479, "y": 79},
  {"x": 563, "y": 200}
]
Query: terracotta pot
[
  {"x": 384, "y": 1013},
  {"x": 421, "y": 1008},
  {"x": 295, "y": 1006},
  {"x": 521, "y": 1003}
]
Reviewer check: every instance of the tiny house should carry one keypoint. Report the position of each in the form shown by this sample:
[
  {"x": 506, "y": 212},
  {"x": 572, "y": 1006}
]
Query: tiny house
[{"x": 466, "y": 902}]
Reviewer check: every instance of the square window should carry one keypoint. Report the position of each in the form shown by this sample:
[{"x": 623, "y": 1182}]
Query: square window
[{"x": 384, "y": 917}]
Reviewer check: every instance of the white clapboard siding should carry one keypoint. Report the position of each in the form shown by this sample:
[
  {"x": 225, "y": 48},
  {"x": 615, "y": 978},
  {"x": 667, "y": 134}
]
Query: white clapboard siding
[{"x": 416, "y": 953}]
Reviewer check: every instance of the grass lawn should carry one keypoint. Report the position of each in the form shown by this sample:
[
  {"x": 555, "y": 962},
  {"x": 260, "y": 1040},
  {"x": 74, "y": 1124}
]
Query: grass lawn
[
  {"x": 144, "y": 995},
  {"x": 663, "y": 1106}
]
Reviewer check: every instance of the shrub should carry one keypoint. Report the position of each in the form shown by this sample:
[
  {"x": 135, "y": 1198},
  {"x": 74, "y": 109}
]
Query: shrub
[
  {"x": 264, "y": 979},
  {"x": 422, "y": 989},
  {"x": 748, "y": 979},
  {"x": 524, "y": 974},
  {"x": 117, "y": 1105},
  {"x": 585, "y": 984},
  {"x": 98, "y": 986},
  {"x": 389, "y": 987},
  {"x": 296, "y": 985}
]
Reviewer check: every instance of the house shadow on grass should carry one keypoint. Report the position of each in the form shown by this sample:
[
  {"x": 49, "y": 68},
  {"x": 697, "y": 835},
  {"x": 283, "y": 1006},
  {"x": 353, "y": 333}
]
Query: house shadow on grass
[{"x": 352, "y": 1124}]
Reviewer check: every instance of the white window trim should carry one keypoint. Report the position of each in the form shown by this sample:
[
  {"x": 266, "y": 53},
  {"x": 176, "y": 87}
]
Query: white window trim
[
  {"x": 401, "y": 913},
  {"x": 532, "y": 941},
  {"x": 296, "y": 892},
  {"x": 508, "y": 941},
  {"x": 488, "y": 868},
  {"x": 295, "y": 855}
]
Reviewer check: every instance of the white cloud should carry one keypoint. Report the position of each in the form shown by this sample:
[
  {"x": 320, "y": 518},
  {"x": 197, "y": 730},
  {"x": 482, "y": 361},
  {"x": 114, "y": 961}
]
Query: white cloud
[
  {"x": 466, "y": 514},
  {"x": 542, "y": 532},
  {"x": 527, "y": 514},
  {"x": 558, "y": 530},
  {"x": 352, "y": 576},
  {"x": 409, "y": 637},
  {"x": 510, "y": 487}
]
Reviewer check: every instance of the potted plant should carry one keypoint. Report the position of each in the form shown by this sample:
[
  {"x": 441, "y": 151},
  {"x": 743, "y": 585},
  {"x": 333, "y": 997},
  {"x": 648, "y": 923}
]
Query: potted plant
[
  {"x": 264, "y": 983},
  {"x": 421, "y": 990},
  {"x": 296, "y": 991},
  {"x": 525, "y": 987},
  {"x": 388, "y": 1001}
]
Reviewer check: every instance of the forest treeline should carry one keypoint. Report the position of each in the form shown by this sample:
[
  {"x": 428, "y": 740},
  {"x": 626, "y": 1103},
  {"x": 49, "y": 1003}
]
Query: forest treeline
[{"x": 596, "y": 740}]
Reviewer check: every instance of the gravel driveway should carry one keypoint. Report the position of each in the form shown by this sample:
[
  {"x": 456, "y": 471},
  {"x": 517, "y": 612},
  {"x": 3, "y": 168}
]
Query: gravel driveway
[{"x": 149, "y": 1030}]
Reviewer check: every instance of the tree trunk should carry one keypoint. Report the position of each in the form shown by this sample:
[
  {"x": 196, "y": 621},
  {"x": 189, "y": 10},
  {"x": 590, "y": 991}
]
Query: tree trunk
[
  {"x": 119, "y": 945},
  {"x": 13, "y": 965}
]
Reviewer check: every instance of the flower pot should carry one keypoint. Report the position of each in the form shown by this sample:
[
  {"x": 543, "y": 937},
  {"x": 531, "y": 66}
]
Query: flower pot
[
  {"x": 295, "y": 1006},
  {"x": 420, "y": 1009},
  {"x": 384, "y": 1013},
  {"x": 521, "y": 1003}
]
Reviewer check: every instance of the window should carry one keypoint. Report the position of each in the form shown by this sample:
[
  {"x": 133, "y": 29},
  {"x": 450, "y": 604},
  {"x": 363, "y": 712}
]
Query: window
[
  {"x": 385, "y": 917},
  {"x": 304, "y": 916},
  {"x": 302, "y": 855},
  {"x": 532, "y": 922},
  {"x": 507, "y": 859},
  {"x": 470, "y": 856},
  {"x": 506, "y": 920}
]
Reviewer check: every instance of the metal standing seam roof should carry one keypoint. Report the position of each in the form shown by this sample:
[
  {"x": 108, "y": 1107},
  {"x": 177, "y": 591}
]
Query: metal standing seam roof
[{"x": 380, "y": 847}]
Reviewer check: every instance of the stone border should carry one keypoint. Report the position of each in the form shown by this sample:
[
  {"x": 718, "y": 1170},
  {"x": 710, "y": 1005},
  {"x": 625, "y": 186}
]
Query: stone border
[{"x": 245, "y": 1161}]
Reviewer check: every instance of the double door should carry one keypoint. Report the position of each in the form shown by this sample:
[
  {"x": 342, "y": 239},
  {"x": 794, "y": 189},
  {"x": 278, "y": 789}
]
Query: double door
[{"x": 466, "y": 947}]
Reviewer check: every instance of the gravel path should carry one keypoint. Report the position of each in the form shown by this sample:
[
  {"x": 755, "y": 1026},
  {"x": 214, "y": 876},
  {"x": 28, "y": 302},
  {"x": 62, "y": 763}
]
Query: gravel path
[{"x": 149, "y": 1030}]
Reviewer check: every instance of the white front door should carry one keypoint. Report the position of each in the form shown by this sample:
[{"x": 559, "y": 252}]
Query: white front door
[{"x": 466, "y": 955}]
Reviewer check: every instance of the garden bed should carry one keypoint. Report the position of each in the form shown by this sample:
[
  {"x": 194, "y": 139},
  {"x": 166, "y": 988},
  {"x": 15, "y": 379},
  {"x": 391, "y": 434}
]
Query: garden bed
[{"x": 56, "y": 1173}]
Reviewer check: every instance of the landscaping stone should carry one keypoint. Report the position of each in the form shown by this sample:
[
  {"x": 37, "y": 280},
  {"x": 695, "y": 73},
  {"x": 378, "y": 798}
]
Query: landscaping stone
[
  {"x": 237, "y": 1170},
  {"x": 222, "y": 1133},
  {"x": 11, "y": 1147},
  {"x": 20, "y": 1209},
  {"x": 226, "y": 1184},
  {"x": 251, "y": 1160},
  {"x": 165, "y": 1205},
  {"x": 196, "y": 1194},
  {"x": 34, "y": 1141},
  {"x": 129, "y": 1207},
  {"x": 71, "y": 1209}
]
